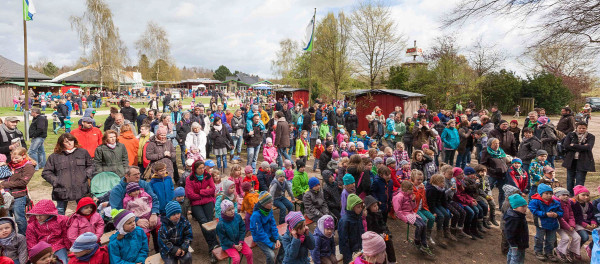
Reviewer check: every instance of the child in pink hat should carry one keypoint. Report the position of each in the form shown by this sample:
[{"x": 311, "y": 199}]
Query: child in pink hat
[{"x": 583, "y": 211}]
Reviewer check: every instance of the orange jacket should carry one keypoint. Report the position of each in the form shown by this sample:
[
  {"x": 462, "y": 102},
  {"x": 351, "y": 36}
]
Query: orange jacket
[
  {"x": 250, "y": 199},
  {"x": 132, "y": 145},
  {"x": 318, "y": 150},
  {"x": 420, "y": 198}
]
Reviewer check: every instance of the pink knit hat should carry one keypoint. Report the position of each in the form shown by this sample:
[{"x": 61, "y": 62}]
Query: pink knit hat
[
  {"x": 335, "y": 155},
  {"x": 372, "y": 243},
  {"x": 2, "y": 158},
  {"x": 248, "y": 169},
  {"x": 580, "y": 189},
  {"x": 293, "y": 219},
  {"x": 40, "y": 249},
  {"x": 456, "y": 171},
  {"x": 344, "y": 154}
]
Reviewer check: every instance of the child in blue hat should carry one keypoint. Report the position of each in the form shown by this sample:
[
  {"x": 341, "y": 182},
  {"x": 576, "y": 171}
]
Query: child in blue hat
[{"x": 546, "y": 212}]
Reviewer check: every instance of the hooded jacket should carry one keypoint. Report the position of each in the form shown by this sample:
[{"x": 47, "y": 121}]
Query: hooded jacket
[
  {"x": 132, "y": 145},
  {"x": 53, "y": 230},
  {"x": 174, "y": 236},
  {"x": 79, "y": 224},
  {"x": 16, "y": 249},
  {"x": 278, "y": 189},
  {"x": 88, "y": 139},
  {"x": 264, "y": 179},
  {"x": 516, "y": 229},
  {"x": 450, "y": 138},
  {"x": 131, "y": 249},
  {"x": 435, "y": 196},
  {"x": 383, "y": 191},
  {"x": 117, "y": 195},
  {"x": 200, "y": 192},
  {"x": 39, "y": 127},
  {"x": 232, "y": 232},
  {"x": 141, "y": 206},
  {"x": 324, "y": 246},
  {"x": 270, "y": 154},
  {"x": 163, "y": 188},
  {"x": 528, "y": 149},
  {"x": 300, "y": 183},
  {"x": 155, "y": 152},
  {"x": 548, "y": 139},
  {"x": 17, "y": 183},
  {"x": 567, "y": 221},
  {"x": 404, "y": 207},
  {"x": 113, "y": 160},
  {"x": 100, "y": 257},
  {"x": 540, "y": 208},
  {"x": 220, "y": 139},
  {"x": 314, "y": 204},
  {"x": 263, "y": 228},
  {"x": 350, "y": 230}
]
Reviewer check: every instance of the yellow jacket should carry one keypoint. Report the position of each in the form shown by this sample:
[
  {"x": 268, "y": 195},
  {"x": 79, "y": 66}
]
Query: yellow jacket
[
  {"x": 302, "y": 150},
  {"x": 264, "y": 117}
]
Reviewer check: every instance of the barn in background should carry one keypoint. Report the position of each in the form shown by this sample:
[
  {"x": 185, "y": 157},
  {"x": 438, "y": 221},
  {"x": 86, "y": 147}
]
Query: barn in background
[
  {"x": 298, "y": 94},
  {"x": 365, "y": 101}
]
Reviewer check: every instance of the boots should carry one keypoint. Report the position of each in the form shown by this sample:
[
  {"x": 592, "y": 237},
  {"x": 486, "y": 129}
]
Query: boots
[
  {"x": 469, "y": 232},
  {"x": 493, "y": 220},
  {"x": 480, "y": 228},
  {"x": 460, "y": 233},
  {"x": 486, "y": 223},
  {"x": 429, "y": 239},
  {"x": 474, "y": 232},
  {"x": 448, "y": 234},
  {"x": 439, "y": 234}
]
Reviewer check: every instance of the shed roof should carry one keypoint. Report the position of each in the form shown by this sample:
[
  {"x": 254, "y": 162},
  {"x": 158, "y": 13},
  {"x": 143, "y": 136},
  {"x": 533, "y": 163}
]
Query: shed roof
[
  {"x": 242, "y": 77},
  {"x": 401, "y": 93},
  {"x": 290, "y": 89},
  {"x": 12, "y": 70}
]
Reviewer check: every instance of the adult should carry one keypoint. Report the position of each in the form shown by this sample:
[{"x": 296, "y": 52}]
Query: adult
[
  {"x": 10, "y": 136},
  {"x": 89, "y": 112},
  {"x": 547, "y": 135},
  {"x": 111, "y": 155},
  {"x": 326, "y": 156},
  {"x": 62, "y": 111},
  {"x": 202, "y": 119},
  {"x": 361, "y": 174},
  {"x": 496, "y": 116},
  {"x": 166, "y": 101},
  {"x": 253, "y": 138},
  {"x": 131, "y": 143},
  {"x": 494, "y": 159},
  {"x": 566, "y": 124},
  {"x": 530, "y": 121},
  {"x": 140, "y": 119},
  {"x": 221, "y": 141},
  {"x": 184, "y": 126},
  {"x": 282, "y": 137},
  {"x": 200, "y": 190},
  {"x": 120, "y": 190},
  {"x": 395, "y": 129},
  {"x": 38, "y": 131},
  {"x": 528, "y": 148},
  {"x": 506, "y": 137},
  {"x": 119, "y": 122},
  {"x": 88, "y": 136},
  {"x": 165, "y": 122},
  {"x": 161, "y": 149},
  {"x": 110, "y": 120},
  {"x": 351, "y": 122},
  {"x": 465, "y": 146},
  {"x": 421, "y": 134},
  {"x": 579, "y": 159},
  {"x": 129, "y": 113},
  {"x": 196, "y": 139},
  {"x": 237, "y": 127},
  {"x": 23, "y": 169},
  {"x": 486, "y": 125},
  {"x": 451, "y": 141},
  {"x": 68, "y": 170}
]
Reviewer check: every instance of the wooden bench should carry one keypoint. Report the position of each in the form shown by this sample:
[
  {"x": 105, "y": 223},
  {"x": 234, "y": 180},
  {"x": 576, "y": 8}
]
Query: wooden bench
[
  {"x": 106, "y": 237},
  {"x": 156, "y": 259},
  {"x": 221, "y": 255},
  {"x": 212, "y": 225},
  {"x": 338, "y": 255}
]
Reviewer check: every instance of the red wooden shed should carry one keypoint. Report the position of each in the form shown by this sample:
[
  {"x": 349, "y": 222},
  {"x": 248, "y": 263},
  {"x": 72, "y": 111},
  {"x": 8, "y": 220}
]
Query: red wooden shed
[
  {"x": 298, "y": 94},
  {"x": 366, "y": 100}
]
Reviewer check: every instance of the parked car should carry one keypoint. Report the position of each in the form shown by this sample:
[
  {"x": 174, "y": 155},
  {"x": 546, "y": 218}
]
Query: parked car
[{"x": 594, "y": 103}]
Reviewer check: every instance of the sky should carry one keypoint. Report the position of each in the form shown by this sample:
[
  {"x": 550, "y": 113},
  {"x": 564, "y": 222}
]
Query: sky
[{"x": 243, "y": 35}]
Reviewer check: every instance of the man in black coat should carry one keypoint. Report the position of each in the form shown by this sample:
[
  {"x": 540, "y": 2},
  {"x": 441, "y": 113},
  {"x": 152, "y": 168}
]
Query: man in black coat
[
  {"x": 129, "y": 112},
  {"x": 10, "y": 136},
  {"x": 579, "y": 159},
  {"x": 38, "y": 133}
]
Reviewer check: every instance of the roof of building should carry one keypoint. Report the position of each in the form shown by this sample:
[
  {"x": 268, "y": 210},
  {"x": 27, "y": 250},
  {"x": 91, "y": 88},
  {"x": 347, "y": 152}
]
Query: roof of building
[
  {"x": 401, "y": 93},
  {"x": 85, "y": 74},
  {"x": 242, "y": 77},
  {"x": 12, "y": 70},
  {"x": 287, "y": 89},
  {"x": 201, "y": 80}
]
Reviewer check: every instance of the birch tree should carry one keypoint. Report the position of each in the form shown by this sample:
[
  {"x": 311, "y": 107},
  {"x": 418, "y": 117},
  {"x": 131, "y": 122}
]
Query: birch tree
[{"x": 154, "y": 43}]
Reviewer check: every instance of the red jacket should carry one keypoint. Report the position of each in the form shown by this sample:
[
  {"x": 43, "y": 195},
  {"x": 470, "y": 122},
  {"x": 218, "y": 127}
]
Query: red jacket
[
  {"x": 79, "y": 224},
  {"x": 53, "y": 231},
  {"x": 317, "y": 151},
  {"x": 88, "y": 139},
  {"x": 100, "y": 257},
  {"x": 395, "y": 179},
  {"x": 200, "y": 192},
  {"x": 253, "y": 180},
  {"x": 461, "y": 196},
  {"x": 420, "y": 199}
]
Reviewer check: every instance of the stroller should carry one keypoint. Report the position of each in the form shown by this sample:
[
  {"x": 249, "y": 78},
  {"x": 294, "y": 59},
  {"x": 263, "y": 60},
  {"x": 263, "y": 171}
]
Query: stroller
[{"x": 101, "y": 185}]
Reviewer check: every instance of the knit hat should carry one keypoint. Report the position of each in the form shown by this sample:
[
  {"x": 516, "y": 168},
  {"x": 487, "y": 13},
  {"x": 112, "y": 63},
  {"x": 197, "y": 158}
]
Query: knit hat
[
  {"x": 348, "y": 179},
  {"x": 226, "y": 185},
  {"x": 390, "y": 161},
  {"x": 558, "y": 191},
  {"x": 541, "y": 152},
  {"x": 325, "y": 222},
  {"x": 246, "y": 186},
  {"x": 502, "y": 122},
  {"x": 85, "y": 241},
  {"x": 274, "y": 166},
  {"x": 2, "y": 158},
  {"x": 372, "y": 244},
  {"x": 424, "y": 146},
  {"x": 264, "y": 165},
  {"x": 172, "y": 208},
  {"x": 132, "y": 187},
  {"x": 403, "y": 162},
  {"x": 456, "y": 171},
  {"x": 279, "y": 173},
  {"x": 287, "y": 163},
  {"x": 469, "y": 171},
  {"x": 248, "y": 169},
  {"x": 264, "y": 198},
  {"x": 225, "y": 204},
  {"x": 179, "y": 191},
  {"x": 120, "y": 217},
  {"x": 579, "y": 189},
  {"x": 314, "y": 122},
  {"x": 344, "y": 154},
  {"x": 548, "y": 169},
  {"x": 294, "y": 218},
  {"x": 39, "y": 250},
  {"x": 189, "y": 162},
  {"x": 312, "y": 182},
  {"x": 510, "y": 189},
  {"x": 335, "y": 155},
  {"x": 352, "y": 201},
  {"x": 542, "y": 188},
  {"x": 209, "y": 163},
  {"x": 436, "y": 119},
  {"x": 516, "y": 160},
  {"x": 543, "y": 120},
  {"x": 514, "y": 121},
  {"x": 318, "y": 141},
  {"x": 351, "y": 144},
  {"x": 370, "y": 200},
  {"x": 269, "y": 140},
  {"x": 360, "y": 145},
  {"x": 516, "y": 200}
]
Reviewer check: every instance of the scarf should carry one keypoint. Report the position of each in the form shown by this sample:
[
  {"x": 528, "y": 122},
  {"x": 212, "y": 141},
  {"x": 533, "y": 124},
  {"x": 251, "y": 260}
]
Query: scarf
[
  {"x": 69, "y": 151},
  {"x": 218, "y": 128},
  {"x": 88, "y": 256},
  {"x": 227, "y": 218},
  {"x": 264, "y": 211},
  {"x": 581, "y": 139},
  {"x": 19, "y": 165},
  {"x": 8, "y": 240},
  {"x": 200, "y": 177},
  {"x": 496, "y": 154},
  {"x": 111, "y": 146}
]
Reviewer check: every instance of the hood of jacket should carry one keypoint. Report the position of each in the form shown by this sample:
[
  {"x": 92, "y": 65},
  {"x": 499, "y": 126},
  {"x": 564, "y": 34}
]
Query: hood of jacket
[
  {"x": 86, "y": 201},
  {"x": 537, "y": 196},
  {"x": 127, "y": 135},
  {"x": 12, "y": 222}
]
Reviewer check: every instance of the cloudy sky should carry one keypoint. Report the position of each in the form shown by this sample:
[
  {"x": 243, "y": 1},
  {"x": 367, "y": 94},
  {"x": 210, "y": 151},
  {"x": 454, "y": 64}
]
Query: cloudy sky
[{"x": 241, "y": 34}]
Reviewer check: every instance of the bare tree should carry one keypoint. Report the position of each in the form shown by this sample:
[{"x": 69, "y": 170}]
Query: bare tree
[
  {"x": 285, "y": 60},
  {"x": 376, "y": 41},
  {"x": 154, "y": 43},
  {"x": 485, "y": 58}
]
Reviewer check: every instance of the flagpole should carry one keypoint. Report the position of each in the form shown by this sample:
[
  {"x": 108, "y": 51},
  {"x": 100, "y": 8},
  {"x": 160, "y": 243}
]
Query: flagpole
[
  {"x": 310, "y": 60},
  {"x": 26, "y": 113}
]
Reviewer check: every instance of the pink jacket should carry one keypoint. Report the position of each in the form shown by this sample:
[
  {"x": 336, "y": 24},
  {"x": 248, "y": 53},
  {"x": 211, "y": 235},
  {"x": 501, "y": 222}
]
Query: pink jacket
[
  {"x": 270, "y": 154},
  {"x": 79, "y": 224},
  {"x": 568, "y": 219},
  {"x": 340, "y": 138},
  {"x": 53, "y": 231},
  {"x": 404, "y": 206},
  {"x": 140, "y": 206},
  {"x": 200, "y": 192},
  {"x": 289, "y": 174},
  {"x": 461, "y": 196},
  {"x": 238, "y": 185}
]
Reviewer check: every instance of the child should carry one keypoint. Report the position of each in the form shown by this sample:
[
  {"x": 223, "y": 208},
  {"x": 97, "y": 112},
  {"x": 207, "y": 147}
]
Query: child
[
  {"x": 349, "y": 188},
  {"x": 388, "y": 153},
  {"x": 264, "y": 230},
  {"x": 583, "y": 211},
  {"x": 188, "y": 170},
  {"x": 297, "y": 241},
  {"x": 351, "y": 149},
  {"x": 227, "y": 194},
  {"x": 374, "y": 249},
  {"x": 85, "y": 249},
  {"x": 45, "y": 224},
  {"x": 270, "y": 151},
  {"x": 179, "y": 196},
  {"x": 194, "y": 153},
  {"x": 404, "y": 206},
  {"x": 376, "y": 223},
  {"x": 264, "y": 176},
  {"x": 382, "y": 189},
  {"x": 302, "y": 147},
  {"x": 317, "y": 153},
  {"x": 400, "y": 154},
  {"x": 509, "y": 190},
  {"x": 486, "y": 192},
  {"x": 404, "y": 172},
  {"x": 300, "y": 181},
  {"x": 129, "y": 244},
  {"x": 314, "y": 133},
  {"x": 216, "y": 175},
  {"x": 14, "y": 244},
  {"x": 473, "y": 188},
  {"x": 422, "y": 208},
  {"x": 549, "y": 177},
  {"x": 175, "y": 235},
  {"x": 68, "y": 124},
  {"x": 437, "y": 203},
  {"x": 360, "y": 148},
  {"x": 350, "y": 228},
  {"x": 250, "y": 199},
  {"x": 324, "y": 251},
  {"x": 249, "y": 177},
  {"x": 323, "y": 129},
  {"x": 42, "y": 253},
  {"x": 516, "y": 229},
  {"x": 353, "y": 137},
  {"x": 162, "y": 185},
  {"x": 5, "y": 171},
  {"x": 85, "y": 219},
  {"x": 546, "y": 212},
  {"x": 458, "y": 213},
  {"x": 139, "y": 203},
  {"x": 467, "y": 203},
  {"x": 289, "y": 170},
  {"x": 332, "y": 192},
  {"x": 279, "y": 186},
  {"x": 536, "y": 170},
  {"x": 517, "y": 176},
  {"x": 231, "y": 231},
  {"x": 566, "y": 251},
  {"x": 55, "y": 121},
  {"x": 236, "y": 177},
  {"x": 313, "y": 200}
]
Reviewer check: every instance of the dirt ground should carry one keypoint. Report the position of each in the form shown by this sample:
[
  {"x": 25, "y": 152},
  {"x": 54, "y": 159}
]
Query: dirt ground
[{"x": 463, "y": 251}]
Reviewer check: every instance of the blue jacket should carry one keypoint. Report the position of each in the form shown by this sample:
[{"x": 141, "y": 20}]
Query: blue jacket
[
  {"x": 539, "y": 208},
  {"x": 173, "y": 237},
  {"x": 118, "y": 193},
  {"x": 350, "y": 230},
  {"x": 163, "y": 188},
  {"x": 450, "y": 138},
  {"x": 231, "y": 233},
  {"x": 383, "y": 192},
  {"x": 324, "y": 246},
  {"x": 264, "y": 179},
  {"x": 296, "y": 252},
  {"x": 263, "y": 228},
  {"x": 133, "y": 248}
]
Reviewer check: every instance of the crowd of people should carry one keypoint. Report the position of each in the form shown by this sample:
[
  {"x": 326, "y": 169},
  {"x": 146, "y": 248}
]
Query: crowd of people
[{"x": 413, "y": 167}]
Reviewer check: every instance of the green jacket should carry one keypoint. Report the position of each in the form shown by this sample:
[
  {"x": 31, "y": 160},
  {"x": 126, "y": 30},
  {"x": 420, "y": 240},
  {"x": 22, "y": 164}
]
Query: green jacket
[
  {"x": 114, "y": 160},
  {"x": 299, "y": 183},
  {"x": 323, "y": 130},
  {"x": 302, "y": 150}
]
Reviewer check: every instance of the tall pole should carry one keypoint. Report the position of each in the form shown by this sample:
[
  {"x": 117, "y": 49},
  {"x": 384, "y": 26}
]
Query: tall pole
[
  {"x": 310, "y": 60},
  {"x": 26, "y": 113}
]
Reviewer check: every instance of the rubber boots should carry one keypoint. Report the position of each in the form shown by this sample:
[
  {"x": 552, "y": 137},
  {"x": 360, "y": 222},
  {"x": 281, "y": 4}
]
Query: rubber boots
[
  {"x": 448, "y": 234},
  {"x": 439, "y": 238}
]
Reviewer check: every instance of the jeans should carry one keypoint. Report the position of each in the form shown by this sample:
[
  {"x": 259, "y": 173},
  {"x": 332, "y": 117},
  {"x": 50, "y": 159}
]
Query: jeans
[
  {"x": 203, "y": 214},
  {"x": 427, "y": 217},
  {"x": 237, "y": 145},
  {"x": 442, "y": 217},
  {"x": 471, "y": 213},
  {"x": 221, "y": 159},
  {"x": 98, "y": 102},
  {"x": 90, "y": 104},
  {"x": 61, "y": 205},
  {"x": 282, "y": 152},
  {"x": 544, "y": 239},
  {"x": 19, "y": 213},
  {"x": 551, "y": 159},
  {"x": 315, "y": 164},
  {"x": 43, "y": 108},
  {"x": 62, "y": 255},
  {"x": 575, "y": 177},
  {"x": 270, "y": 253},
  {"x": 583, "y": 234},
  {"x": 37, "y": 152},
  {"x": 186, "y": 259},
  {"x": 458, "y": 214},
  {"x": 515, "y": 256},
  {"x": 449, "y": 157},
  {"x": 182, "y": 147},
  {"x": 253, "y": 153},
  {"x": 284, "y": 206},
  {"x": 478, "y": 148},
  {"x": 498, "y": 183},
  {"x": 461, "y": 159}
]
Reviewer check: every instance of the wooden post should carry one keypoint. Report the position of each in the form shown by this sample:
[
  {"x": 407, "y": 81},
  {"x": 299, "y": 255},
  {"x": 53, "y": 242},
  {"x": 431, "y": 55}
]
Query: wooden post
[{"x": 26, "y": 113}]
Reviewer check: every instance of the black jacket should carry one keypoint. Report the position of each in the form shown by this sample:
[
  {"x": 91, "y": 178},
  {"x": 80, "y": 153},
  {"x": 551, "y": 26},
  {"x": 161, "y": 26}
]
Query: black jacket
[
  {"x": 586, "y": 157},
  {"x": 108, "y": 123},
  {"x": 5, "y": 142},
  {"x": 333, "y": 196},
  {"x": 62, "y": 110},
  {"x": 220, "y": 138},
  {"x": 69, "y": 174},
  {"x": 256, "y": 139},
  {"x": 129, "y": 113},
  {"x": 39, "y": 127},
  {"x": 140, "y": 121},
  {"x": 324, "y": 159},
  {"x": 516, "y": 230},
  {"x": 435, "y": 197},
  {"x": 351, "y": 123},
  {"x": 566, "y": 124},
  {"x": 365, "y": 183},
  {"x": 182, "y": 129},
  {"x": 528, "y": 149}
]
